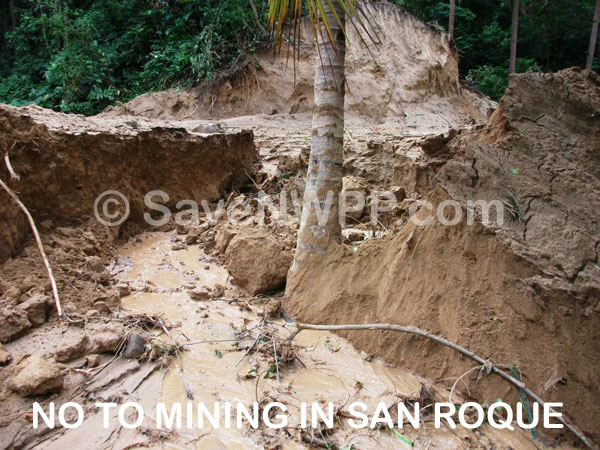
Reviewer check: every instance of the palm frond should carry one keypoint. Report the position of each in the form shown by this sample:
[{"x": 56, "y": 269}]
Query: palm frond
[{"x": 356, "y": 11}]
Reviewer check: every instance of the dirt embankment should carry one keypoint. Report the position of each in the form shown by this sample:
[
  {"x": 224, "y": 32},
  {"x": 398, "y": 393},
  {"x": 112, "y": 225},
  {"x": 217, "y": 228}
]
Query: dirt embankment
[
  {"x": 425, "y": 58},
  {"x": 65, "y": 162},
  {"x": 526, "y": 292}
]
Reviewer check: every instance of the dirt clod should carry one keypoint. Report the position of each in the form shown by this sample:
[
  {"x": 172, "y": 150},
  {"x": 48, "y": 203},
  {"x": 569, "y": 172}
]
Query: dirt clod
[
  {"x": 36, "y": 376},
  {"x": 218, "y": 291},
  {"x": 256, "y": 262},
  {"x": 271, "y": 308},
  {"x": 92, "y": 360},
  {"x": 36, "y": 308},
  {"x": 5, "y": 356},
  {"x": 123, "y": 289},
  {"x": 73, "y": 345},
  {"x": 106, "y": 338},
  {"x": 14, "y": 324},
  {"x": 200, "y": 293},
  {"x": 95, "y": 264},
  {"x": 102, "y": 307}
]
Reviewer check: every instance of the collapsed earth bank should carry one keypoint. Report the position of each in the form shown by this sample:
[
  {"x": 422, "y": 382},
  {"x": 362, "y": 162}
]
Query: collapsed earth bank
[
  {"x": 65, "y": 162},
  {"x": 525, "y": 292}
]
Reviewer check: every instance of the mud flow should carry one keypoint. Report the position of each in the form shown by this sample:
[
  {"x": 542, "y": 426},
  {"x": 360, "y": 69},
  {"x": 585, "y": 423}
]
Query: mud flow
[{"x": 327, "y": 367}]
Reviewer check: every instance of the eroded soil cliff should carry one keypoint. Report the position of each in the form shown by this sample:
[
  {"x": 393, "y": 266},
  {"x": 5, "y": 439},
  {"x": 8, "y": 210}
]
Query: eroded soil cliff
[{"x": 525, "y": 292}]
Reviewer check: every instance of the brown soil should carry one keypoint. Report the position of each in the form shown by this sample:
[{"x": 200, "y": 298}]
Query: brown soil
[
  {"x": 525, "y": 293},
  {"x": 65, "y": 162},
  {"x": 428, "y": 87}
]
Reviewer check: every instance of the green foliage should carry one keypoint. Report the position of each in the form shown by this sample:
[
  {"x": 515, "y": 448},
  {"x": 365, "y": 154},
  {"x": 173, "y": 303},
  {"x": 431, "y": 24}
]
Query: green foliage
[
  {"x": 553, "y": 35},
  {"x": 80, "y": 56},
  {"x": 493, "y": 80}
]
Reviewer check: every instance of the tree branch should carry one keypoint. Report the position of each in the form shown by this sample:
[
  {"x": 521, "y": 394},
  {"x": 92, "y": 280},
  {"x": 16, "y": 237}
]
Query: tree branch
[
  {"x": 257, "y": 17},
  {"x": 458, "y": 348},
  {"x": 38, "y": 240}
]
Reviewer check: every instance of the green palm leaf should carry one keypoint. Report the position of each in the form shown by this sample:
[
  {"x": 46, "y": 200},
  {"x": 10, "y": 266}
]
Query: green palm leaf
[{"x": 280, "y": 11}]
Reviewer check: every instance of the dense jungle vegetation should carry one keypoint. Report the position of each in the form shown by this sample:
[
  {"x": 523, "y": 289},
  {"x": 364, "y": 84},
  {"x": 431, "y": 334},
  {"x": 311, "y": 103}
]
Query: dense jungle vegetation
[{"x": 81, "y": 55}]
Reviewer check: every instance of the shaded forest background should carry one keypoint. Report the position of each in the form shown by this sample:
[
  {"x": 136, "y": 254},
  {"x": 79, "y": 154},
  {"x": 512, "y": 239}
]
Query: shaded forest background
[{"x": 79, "y": 56}]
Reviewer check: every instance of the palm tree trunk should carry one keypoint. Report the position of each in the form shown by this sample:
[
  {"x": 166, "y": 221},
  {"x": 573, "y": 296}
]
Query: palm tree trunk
[
  {"x": 513, "y": 45},
  {"x": 324, "y": 178},
  {"x": 451, "y": 18},
  {"x": 593, "y": 37}
]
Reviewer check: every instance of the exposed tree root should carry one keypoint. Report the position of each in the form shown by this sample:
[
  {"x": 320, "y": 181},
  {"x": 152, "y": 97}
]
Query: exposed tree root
[{"x": 458, "y": 348}]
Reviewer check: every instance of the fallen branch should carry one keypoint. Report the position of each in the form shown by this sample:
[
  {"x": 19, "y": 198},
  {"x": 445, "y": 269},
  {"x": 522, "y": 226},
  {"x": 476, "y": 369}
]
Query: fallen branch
[
  {"x": 13, "y": 175},
  {"x": 458, "y": 348},
  {"x": 186, "y": 386},
  {"x": 38, "y": 240}
]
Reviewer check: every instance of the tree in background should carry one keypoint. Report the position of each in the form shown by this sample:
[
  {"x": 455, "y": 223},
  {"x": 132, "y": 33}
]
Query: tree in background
[
  {"x": 593, "y": 37},
  {"x": 513, "y": 43},
  {"x": 79, "y": 56},
  {"x": 451, "y": 18},
  {"x": 82, "y": 55}
]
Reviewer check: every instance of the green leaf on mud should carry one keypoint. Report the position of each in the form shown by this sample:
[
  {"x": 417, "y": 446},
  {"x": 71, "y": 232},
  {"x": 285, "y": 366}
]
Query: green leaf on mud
[
  {"x": 269, "y": 371},
  {"x": 403, "y": 439}
]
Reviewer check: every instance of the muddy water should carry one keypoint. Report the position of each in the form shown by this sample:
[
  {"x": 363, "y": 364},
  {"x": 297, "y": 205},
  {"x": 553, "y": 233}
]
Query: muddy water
[{"x": 216, "y": 372}]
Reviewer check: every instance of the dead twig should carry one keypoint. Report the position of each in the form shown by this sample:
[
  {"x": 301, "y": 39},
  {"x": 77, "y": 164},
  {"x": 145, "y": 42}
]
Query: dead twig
[
  {"x": 14, "y": 176},
  {"x": 460, "y": 378},
  {"x": 260, "y": 336},
  {"x": 317, "y": 442},
  {"x": 258, "y": 188},
  {"x": 458, "y": 348},
  {"x": 276, "y": 361},
  {"x": 38, "y": 240},
  {"x": 186, "y": 386}
]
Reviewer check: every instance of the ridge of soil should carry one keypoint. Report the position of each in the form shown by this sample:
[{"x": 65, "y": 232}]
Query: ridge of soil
[
  {"x": 272, "y": 84},
  {"x": 65, "y": 162},
  {"x": 526, "y": 292}
]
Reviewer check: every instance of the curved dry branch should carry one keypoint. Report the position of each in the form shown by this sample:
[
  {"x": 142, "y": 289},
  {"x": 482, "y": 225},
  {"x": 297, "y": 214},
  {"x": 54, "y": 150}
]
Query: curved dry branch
[
  {"x": 458, "y": 348},
  {"x": 13, "y": 175},
  {"x": 38, "y": 240}
]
